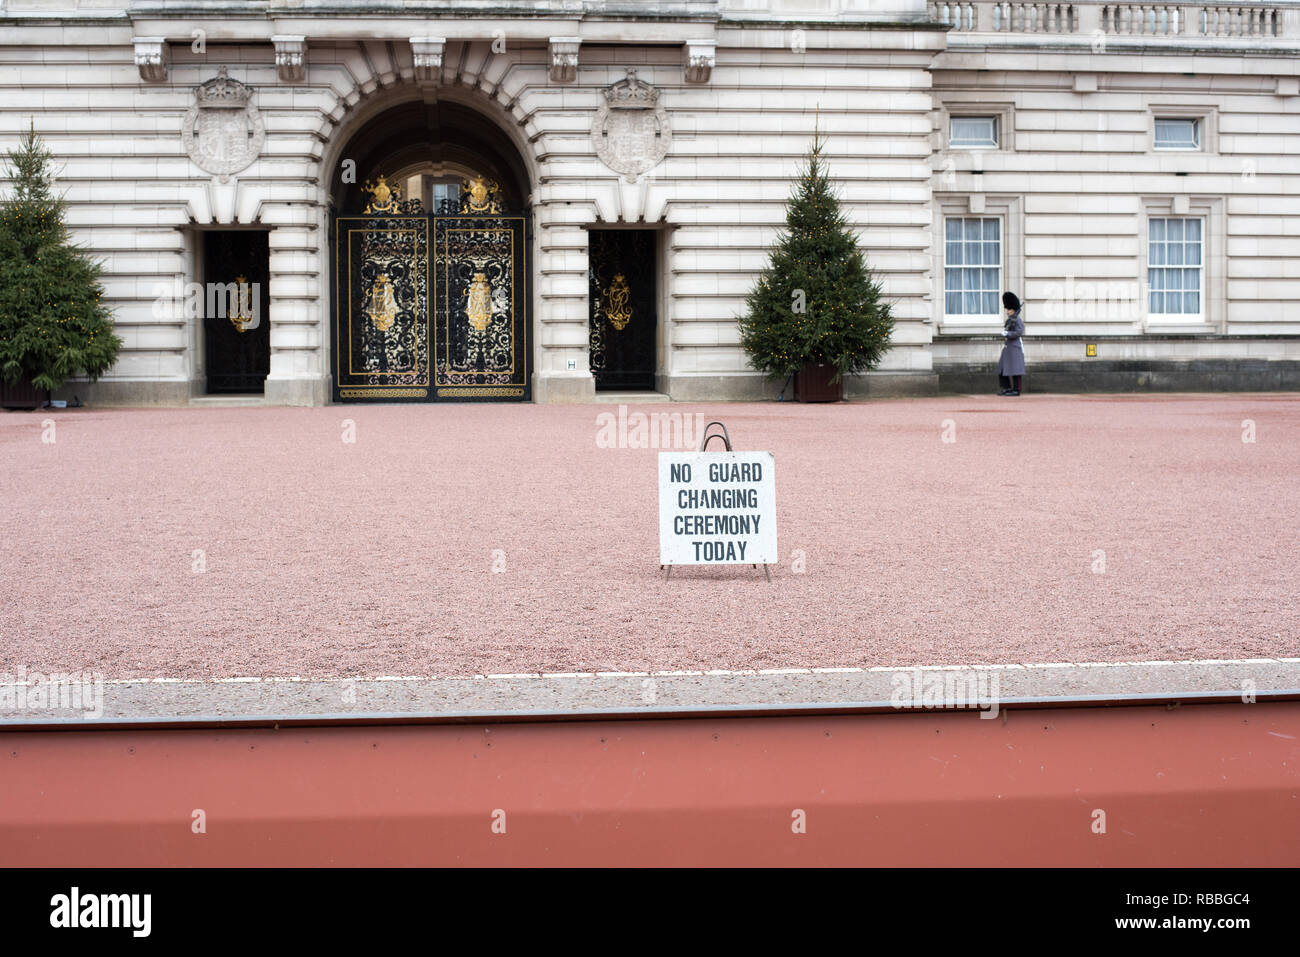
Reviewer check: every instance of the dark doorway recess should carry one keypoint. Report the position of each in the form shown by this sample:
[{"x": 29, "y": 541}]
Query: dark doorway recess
[
  {"x": 622, "y": 297},
  {"x": 418, "y": 132},
  {"x": 236, "y": 329}
]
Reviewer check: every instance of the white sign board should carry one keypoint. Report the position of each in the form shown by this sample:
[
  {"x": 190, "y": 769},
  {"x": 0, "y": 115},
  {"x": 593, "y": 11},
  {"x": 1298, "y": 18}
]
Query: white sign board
[{"x": 717, "y": 508}]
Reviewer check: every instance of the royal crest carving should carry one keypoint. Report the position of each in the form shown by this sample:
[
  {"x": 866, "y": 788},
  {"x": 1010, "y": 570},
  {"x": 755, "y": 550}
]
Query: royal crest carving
[
  {"x": 386, "y": 198},
  {"x": 222, "y": 131},
  {"x": 383, "y": 197},
  {"x": 631, "y": 132},
  {"x": 480, "y": 195}
]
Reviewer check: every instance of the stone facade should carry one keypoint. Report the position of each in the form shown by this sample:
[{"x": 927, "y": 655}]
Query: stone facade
[{"x": 1074, "y": 178}]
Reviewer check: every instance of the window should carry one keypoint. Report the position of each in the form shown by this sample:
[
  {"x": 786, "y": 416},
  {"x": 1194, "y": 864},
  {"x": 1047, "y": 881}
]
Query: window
[
  {"x": 434, "y": 184},
  {"x": 443, "y": 192},
  {"x": 992, "y": 260},
  {"x": 1178, "y": 134},
  {"x": 972, "y": 266},
  {"x": 440, "y": 189},
  {"x": 1175, "y": 266},
  {"x": 973, "y": 131}
]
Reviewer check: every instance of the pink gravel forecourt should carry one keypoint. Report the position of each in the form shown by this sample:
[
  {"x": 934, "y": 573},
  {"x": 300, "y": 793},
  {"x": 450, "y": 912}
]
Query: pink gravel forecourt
[{"x": 325, "y": 558}]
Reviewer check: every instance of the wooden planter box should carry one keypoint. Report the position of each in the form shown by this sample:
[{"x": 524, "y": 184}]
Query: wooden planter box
[
  {"x": 21, "y": 395},
  {"x": 813, "y": 384}
]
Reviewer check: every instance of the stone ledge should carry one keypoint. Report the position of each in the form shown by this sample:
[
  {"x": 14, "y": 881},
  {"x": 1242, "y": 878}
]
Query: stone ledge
[
  {"x": 1131, "y": 375},
  {"x": 720, "y": 388},
  {"x": 758, "y": 388},
  {"x": 307, "y": 391},
  {"x": 128, "y": 392},
  {"x": 1009, "y": 685},
  {"x": 564, "y": 389},
  {"x": 891, "y": 384}
]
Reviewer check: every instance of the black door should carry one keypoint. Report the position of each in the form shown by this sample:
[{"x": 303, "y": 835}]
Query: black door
[
  {"x": 621, "y": 279},
  {"x": 236, "y": 306}
]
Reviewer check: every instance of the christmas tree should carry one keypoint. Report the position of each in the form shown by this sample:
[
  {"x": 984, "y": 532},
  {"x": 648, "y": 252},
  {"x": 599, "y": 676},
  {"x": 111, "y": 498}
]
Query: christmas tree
[
  {"x": 52, "y": 323},
  {"x": 816, "y": 302}
]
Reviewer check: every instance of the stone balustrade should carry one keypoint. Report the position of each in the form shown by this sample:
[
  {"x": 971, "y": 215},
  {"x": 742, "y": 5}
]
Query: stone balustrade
[{"x": 1242, "y": 20}]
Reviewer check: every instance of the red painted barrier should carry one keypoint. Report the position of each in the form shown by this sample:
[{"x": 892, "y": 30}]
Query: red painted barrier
[{"x": 1207, "y": 785}]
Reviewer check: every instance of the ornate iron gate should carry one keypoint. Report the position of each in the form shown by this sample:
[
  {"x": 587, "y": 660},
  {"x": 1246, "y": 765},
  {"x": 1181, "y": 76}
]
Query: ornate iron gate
[
  {"x": 621, "y": 292},
  {"x": 431, "y": 307}
]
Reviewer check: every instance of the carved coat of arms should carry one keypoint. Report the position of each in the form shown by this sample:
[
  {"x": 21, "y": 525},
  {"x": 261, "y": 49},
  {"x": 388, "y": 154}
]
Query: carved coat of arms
[
  {"x": 631, "y": 132},
  {"x": 223, "y": 131}
]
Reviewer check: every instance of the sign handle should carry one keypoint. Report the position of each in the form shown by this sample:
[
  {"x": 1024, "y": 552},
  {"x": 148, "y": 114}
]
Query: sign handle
[{"x": 726, "y": 439}]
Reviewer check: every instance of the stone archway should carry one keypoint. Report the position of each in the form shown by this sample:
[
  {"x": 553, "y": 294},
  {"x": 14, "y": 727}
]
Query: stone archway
[
  {"x": 430, "y": 267},
  {"x": 410, "y": 132}
]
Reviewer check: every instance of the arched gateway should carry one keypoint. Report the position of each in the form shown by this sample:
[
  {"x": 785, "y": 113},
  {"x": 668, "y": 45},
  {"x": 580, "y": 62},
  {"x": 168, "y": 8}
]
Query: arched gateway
[{"x": 430, "y": 272}]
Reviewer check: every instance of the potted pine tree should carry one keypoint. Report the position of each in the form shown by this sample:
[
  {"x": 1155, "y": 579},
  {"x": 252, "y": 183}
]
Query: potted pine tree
[
  {"x": 52, "y": 323},
  {"x": 816, "y": 312}
]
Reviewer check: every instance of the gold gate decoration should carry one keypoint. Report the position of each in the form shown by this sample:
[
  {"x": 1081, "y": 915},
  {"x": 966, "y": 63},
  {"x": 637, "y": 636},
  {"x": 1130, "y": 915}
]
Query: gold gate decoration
[
  {"x": 241, "y": 316},
  {"x": 616, "y": 303},
  {"x": 479, "y": 306},
  {"x": 383, "y": 307}
]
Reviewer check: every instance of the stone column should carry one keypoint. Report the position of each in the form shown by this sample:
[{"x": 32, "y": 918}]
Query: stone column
[
  {"x": 562, "y": 371},
  {"x": 298, "y": 326}
]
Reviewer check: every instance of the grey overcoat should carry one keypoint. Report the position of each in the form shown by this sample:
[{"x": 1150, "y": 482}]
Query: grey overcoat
[{"x": 1012, "y": 360}]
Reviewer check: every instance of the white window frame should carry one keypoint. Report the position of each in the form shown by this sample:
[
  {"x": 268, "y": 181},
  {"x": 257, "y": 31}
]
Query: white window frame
[
  {"x": 954, "y": 205},
  {"x": 1180, "y": 318},
  {"x": 1207, "y": 126},
  {"x": 993, "y": 119},
  {"x": 1214, "y": 266},
  {"x": 979, "y": 318},
  {"x": 1197, "y": 130},
  {"x": 1002, "y": 112}
]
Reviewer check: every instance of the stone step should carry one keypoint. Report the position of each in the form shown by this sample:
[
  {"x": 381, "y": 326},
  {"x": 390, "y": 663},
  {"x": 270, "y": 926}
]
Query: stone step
[
  {"x": 226, "y": 401},
  {"x": 631, "y": 398}
]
